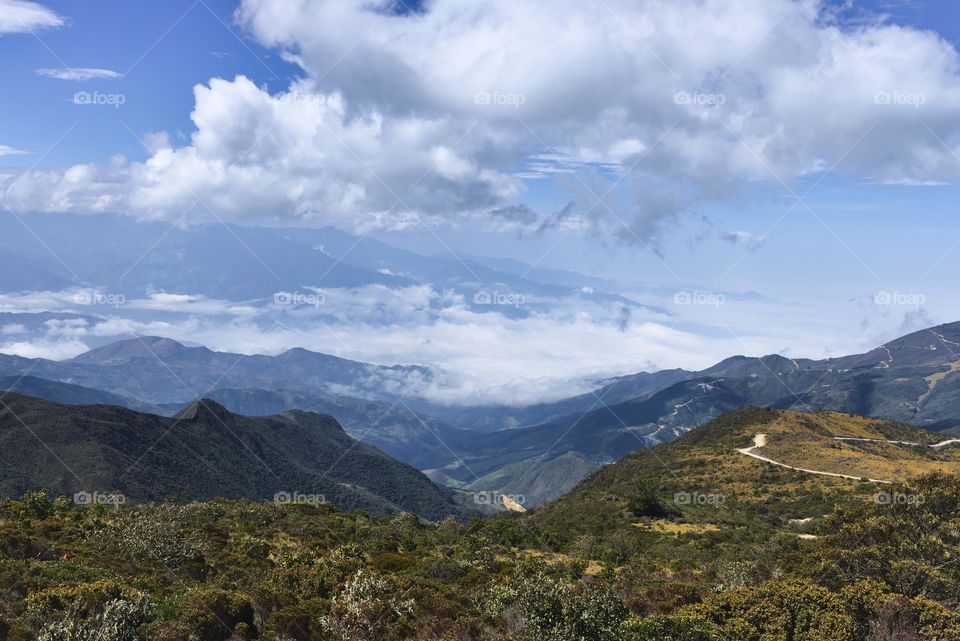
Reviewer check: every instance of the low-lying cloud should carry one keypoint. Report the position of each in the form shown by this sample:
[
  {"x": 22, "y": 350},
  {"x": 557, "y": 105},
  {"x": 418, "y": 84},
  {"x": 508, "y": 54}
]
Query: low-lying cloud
[{"x": 561, "y": 348}]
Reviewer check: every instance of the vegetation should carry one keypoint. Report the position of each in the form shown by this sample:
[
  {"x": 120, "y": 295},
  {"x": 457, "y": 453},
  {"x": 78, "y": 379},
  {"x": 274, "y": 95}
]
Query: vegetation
[
  {"x": 205, "y": 452},
  {"x": 708, "y": 552}
]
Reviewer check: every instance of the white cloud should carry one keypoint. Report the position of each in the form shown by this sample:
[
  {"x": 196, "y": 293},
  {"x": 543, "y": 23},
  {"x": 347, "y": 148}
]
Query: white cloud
[
  {"x": 559, "y": 348},
  {"x": 452, "y": 109},
  {"x": 10, "y": 151},
  {"x": 750, "y": 238},
  {"x": 80, "y": 73},
  {"x": 289, "y": 156},
  {"x": 20, "y": 16},
  {"x": 54, "y": 350}
]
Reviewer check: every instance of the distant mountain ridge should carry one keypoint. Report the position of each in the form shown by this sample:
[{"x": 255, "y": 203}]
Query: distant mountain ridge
[
  {"x": 159, "y": 376},
  {"x": 161, "y": 370},
  {"x": 252, "y": 264}
]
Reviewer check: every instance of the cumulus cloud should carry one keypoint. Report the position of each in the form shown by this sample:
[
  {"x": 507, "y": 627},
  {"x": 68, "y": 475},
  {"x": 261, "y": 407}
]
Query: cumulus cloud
[
  {"x": 296, "y": 155},
  {"x": 642, "y": 110},
  {"x": 80, "y": 73},
  {"x": 20, "y": 16}
]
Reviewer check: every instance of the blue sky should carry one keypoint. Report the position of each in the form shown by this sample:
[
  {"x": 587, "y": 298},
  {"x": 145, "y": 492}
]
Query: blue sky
[
  {"x": 372, "y": 122},
  {"x": 162, "y": 49}
]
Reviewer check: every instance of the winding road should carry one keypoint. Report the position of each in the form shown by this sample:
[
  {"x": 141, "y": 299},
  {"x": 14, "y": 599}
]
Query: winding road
[
  {"x": 877, "y": 440},
  {"x": 760, "y": 440}
]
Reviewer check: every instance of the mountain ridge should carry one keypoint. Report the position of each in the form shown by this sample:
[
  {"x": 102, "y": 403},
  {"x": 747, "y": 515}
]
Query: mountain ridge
[{"x": 204, "y": 452}]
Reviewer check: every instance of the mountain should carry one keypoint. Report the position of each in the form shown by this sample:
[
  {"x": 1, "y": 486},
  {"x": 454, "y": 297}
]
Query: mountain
[
  {"x": 392, "y": 427},
  {"x": 494, "y": 418},
  {"x": 159, "y": 375},
  {"x": 203, "y": 452},
  {"x": 914, "y": 379},
  {"x": 556, "y": 277},
  {"x": 120, "y": 255},
  {"x": 696, "y": 540},
  {"x": 464, "y": 274},
  {"x": 63, "y": 393},
  {"x": 128, "y": 257},
  {"x": 160, "y": 370},
  {"x": 569, "y": 448},
  {"x": 539, "y": 451}
]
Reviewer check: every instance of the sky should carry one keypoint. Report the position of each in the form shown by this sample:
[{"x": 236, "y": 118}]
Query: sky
[{"x": 804, "y": 150}]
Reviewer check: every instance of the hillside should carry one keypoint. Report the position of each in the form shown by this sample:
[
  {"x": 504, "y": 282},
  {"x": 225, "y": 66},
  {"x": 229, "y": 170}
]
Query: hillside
[
  {"x": 392, "y": 427},
  {"x": 715, "y": 460},
  {"x": 65, "y": 393},
  {"x": 688, "y": 541},
  {"x": 511, "y": 461},
  {"x": 204, "y": 452}
]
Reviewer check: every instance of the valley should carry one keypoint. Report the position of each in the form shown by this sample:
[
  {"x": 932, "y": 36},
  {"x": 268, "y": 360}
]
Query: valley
[{"x": 537, "y": 452}]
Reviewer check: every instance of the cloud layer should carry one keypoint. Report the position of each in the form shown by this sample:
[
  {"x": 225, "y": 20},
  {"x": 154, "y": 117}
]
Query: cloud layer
[
  {"x": 80, "y": 73},
  {"x": 556, "y": 351}
]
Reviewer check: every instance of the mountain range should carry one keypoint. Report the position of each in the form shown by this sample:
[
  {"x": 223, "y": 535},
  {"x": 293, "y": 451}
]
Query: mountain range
[
  {"x": 914, "y": 379},
  {"x": 539, "y": 451},
  {"x": 120, "y": 255}
]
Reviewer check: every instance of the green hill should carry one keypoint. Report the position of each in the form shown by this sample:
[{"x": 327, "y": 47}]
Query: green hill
[
  {"x": 736, "y": 489},
  {"x": 202, "y": 453}
]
